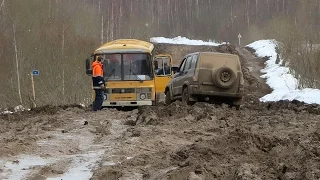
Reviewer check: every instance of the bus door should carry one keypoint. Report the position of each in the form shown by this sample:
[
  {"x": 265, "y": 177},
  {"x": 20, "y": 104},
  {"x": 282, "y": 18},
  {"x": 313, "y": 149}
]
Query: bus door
[{"x": 163, "y": 71}]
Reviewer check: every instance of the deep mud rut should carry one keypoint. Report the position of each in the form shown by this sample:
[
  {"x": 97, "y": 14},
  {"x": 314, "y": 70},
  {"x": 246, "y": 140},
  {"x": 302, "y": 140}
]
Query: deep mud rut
[{"x": 177, "y": 142}]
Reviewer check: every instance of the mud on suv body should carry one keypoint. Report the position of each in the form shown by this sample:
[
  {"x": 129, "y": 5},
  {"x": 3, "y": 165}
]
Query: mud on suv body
[{"x": 207, "y": 76}]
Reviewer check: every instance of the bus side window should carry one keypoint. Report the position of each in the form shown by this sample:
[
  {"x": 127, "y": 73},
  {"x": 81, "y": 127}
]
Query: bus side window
[{"x": 163, "y": 67}]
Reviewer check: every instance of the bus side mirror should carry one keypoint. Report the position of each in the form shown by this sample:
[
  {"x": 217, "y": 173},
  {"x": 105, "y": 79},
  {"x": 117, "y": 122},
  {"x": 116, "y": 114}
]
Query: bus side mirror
[
  {"x": 88, "y": 70},
  {"x": 175, "y": 69}
]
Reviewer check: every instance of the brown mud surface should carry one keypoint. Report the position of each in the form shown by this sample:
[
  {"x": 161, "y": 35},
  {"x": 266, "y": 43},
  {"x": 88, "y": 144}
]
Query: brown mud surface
[{"x": 276, "y": 140}]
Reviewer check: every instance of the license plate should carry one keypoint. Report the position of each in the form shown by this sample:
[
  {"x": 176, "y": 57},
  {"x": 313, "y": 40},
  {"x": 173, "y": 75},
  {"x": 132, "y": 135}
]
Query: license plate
[{"x": 123, "y": 97}]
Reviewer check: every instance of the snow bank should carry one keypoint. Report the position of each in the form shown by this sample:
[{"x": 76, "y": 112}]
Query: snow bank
[
  {"x": 284, "y": 85},
  {"x": 182, "y": 40}
]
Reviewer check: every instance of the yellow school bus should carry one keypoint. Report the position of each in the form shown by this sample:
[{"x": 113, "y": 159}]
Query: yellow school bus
[{"x": 134, "y": 75}]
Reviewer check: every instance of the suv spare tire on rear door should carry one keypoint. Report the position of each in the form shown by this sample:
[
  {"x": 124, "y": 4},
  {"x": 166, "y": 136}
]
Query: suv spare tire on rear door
[{"x": 224, "y": 77}]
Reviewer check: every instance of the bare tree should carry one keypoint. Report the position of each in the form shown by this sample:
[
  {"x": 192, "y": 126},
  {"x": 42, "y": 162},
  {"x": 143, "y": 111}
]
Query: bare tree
[{"x": 17, "y": 61}]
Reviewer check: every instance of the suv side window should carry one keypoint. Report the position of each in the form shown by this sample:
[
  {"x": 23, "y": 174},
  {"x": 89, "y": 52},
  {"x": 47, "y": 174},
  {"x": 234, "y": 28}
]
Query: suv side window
[
  {"x": 194, "y": 61},
  {"x": 188, "y": 63}
]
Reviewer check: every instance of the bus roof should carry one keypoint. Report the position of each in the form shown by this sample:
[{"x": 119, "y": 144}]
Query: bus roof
[{"x": 125, "y": 46}]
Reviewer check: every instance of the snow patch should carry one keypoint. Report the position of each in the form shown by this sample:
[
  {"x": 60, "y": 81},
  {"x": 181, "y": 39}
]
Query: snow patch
[
  {"x": 182, "y": 40},
  {"x": 109, "y": 163},
  {"x": 16, "y": 109},
  {"x": 284, "y": 84},
  {"x": 6, "y": 112},
  {"x": 19, "y": 108}
]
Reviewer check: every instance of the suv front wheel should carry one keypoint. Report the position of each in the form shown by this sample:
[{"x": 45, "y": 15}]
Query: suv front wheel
[
  {"x": 168, "y": 99},
  {"x": 186, "y": 96}
]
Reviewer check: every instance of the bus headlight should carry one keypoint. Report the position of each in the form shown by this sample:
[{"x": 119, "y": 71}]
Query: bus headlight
[{"x": 142, "y": 96}]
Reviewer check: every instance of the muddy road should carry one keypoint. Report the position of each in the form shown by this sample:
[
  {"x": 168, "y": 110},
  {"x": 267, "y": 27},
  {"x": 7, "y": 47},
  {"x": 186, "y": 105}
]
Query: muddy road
[{"x": 177, "y": 142}]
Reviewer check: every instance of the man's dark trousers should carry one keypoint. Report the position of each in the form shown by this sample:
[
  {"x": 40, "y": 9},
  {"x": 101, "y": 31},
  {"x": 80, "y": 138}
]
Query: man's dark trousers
[{"x": 98, "y": 100}]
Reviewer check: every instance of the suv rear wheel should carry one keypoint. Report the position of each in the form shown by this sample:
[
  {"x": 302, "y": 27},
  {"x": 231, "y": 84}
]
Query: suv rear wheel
[{"x": 186, "y": 96}]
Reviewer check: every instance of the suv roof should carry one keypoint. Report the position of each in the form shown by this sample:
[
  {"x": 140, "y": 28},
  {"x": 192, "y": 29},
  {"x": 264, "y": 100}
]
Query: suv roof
[{"x": 216, "y": 53}]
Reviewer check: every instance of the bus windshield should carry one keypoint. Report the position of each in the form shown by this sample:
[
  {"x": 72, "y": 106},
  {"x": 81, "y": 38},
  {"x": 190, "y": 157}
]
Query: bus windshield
[{"x": 127, "y": 67}]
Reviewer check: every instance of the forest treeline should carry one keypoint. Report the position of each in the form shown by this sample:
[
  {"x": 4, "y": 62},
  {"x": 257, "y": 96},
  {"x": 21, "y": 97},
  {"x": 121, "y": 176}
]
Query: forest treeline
[{"x": 55, "y": 37}]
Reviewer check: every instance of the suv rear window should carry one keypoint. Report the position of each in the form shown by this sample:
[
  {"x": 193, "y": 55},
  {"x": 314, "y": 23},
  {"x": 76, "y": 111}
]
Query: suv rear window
[{"x": 209, "y": 61}]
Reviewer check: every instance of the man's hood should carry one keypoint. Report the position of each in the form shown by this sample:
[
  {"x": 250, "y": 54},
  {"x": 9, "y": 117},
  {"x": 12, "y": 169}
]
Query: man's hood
[{"x": 96, "y": 63}]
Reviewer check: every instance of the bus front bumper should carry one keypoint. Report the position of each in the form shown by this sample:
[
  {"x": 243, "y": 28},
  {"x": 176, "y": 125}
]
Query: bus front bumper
[{"x": 126, "y": 103}]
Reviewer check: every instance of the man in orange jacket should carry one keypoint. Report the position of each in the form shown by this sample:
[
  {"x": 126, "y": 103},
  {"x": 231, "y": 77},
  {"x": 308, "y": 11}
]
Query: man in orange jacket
[{"x": 98, "y": 83}]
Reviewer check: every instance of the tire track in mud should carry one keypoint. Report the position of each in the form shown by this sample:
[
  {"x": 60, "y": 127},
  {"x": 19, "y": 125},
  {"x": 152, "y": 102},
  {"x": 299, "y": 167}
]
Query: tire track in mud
[{"x": 107, "y": 128}]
